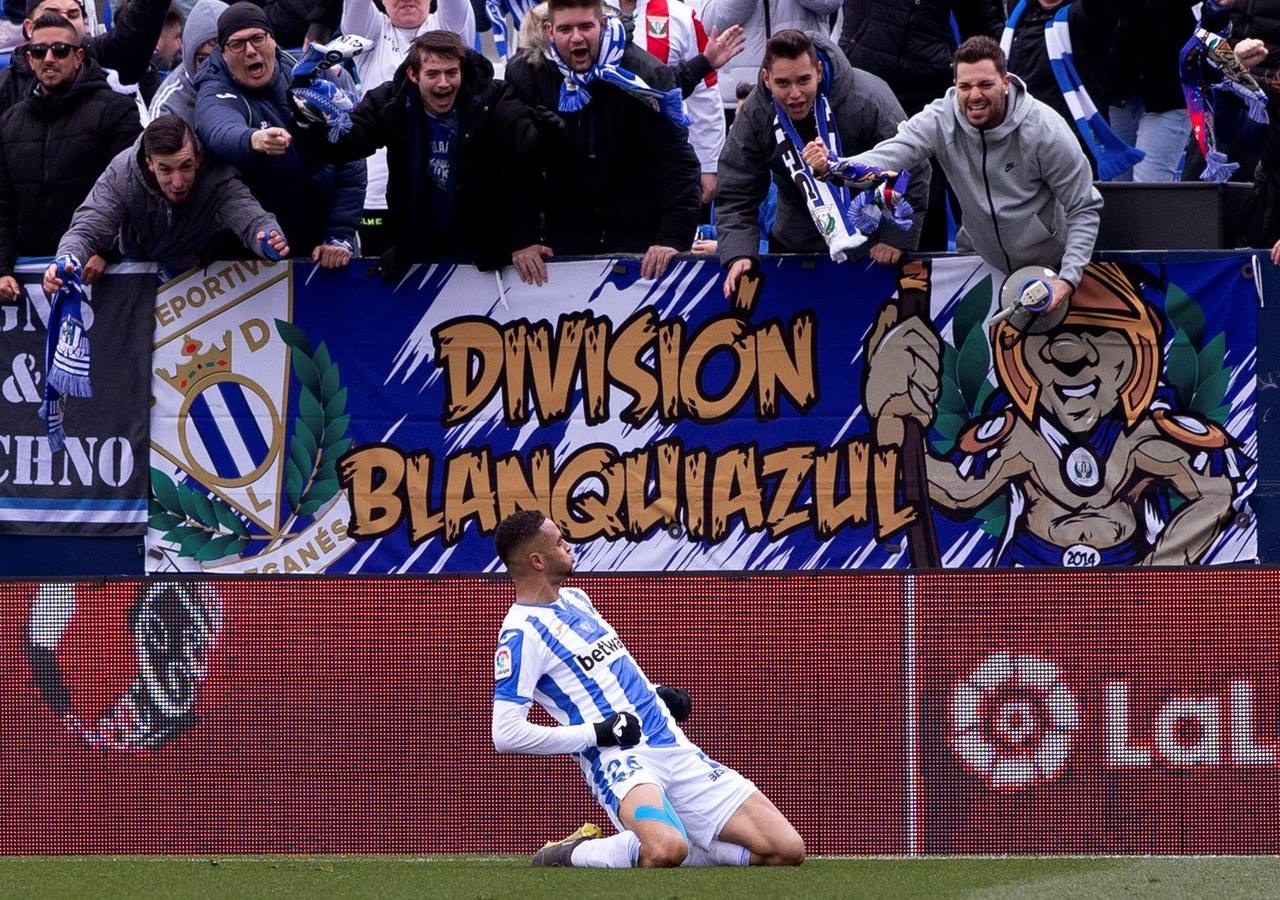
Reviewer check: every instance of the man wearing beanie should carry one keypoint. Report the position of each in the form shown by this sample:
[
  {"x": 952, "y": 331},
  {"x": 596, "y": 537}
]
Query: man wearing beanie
[
  {"x": 126, "y": 48},
  {"x": 242, "y": 118},
  {"x": 177, "y": 95}
]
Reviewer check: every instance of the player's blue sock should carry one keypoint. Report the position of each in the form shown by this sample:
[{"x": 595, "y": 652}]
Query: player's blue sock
[
  {"x": 618, "y": 851},
  {"x": 718, "y": 854}
]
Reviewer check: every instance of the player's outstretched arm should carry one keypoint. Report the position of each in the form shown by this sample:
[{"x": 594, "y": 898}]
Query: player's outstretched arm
[{"x": 514, "y": 733}]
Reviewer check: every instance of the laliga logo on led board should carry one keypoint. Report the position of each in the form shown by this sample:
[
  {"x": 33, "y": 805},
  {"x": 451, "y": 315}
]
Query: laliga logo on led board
[
  {"x": 1188, "y": 731},
  {"x": 1013, "y": 721}
]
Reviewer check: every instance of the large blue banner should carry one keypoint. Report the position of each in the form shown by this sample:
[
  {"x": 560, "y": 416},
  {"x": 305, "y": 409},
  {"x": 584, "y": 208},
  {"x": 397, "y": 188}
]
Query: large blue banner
[{"x": 854, "y": 417}]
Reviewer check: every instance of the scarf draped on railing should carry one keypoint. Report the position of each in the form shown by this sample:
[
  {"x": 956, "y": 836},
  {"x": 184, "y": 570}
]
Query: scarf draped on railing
[
  {"x": 1113, "y": 156},
  {"x": 66, "y": 351},
  {"x": 1207, "y": 61},
  {"x": 575, "y": 93}
]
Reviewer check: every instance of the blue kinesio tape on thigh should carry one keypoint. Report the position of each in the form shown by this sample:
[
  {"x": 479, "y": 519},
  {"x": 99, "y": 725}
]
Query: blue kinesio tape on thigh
[{"x": 666, "y": 815}]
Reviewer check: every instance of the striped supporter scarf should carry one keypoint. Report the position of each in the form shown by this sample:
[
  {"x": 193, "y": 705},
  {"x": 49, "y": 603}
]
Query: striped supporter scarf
[
  {"x": 66, "y": 351},
  {"x": 844, "y": 218},
  {"x": 497, "y": 11},
  {"x": 574, "y": 91},
  {"x": 1113, "y": 156},
  {"x": 1207, "y": 61}
]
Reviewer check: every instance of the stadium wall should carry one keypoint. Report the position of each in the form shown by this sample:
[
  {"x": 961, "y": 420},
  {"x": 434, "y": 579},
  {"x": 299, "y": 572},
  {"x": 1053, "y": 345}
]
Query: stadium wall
[{"x": 1128, "y": 711}]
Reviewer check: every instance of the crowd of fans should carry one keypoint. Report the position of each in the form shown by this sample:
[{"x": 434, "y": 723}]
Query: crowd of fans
[{"x": 648, "y": 127}]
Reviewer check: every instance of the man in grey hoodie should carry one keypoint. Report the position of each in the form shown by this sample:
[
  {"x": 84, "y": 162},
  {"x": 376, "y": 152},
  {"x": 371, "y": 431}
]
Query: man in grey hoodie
[
  {"x": 1024, "y": 185},
  {"x": 162, "y": 200},
  {"x": 177, "y": 94}
]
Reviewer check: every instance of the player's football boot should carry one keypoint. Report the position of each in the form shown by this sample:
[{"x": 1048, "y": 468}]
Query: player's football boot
[{"x": 559, "y": 853}]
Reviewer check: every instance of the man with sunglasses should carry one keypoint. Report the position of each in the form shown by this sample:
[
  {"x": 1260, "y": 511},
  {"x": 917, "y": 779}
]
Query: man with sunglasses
[
  {"x": 55, "y": 144},
  {"x": 242, "y": 118},
  {"x": 126, "y": 48}
]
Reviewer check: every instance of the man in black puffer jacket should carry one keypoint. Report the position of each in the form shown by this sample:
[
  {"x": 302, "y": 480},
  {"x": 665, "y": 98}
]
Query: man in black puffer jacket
[
  {"x": 909, "y": 43},
  {"x": 473, "y": 195},
  {"x": 126, "y": 48},
  {"x": 55, "y": 144},
  {"x": 621, "y": 176}
]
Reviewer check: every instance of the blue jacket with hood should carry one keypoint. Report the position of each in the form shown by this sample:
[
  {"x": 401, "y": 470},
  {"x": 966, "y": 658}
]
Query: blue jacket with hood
[{"x": 312, "y": 199}]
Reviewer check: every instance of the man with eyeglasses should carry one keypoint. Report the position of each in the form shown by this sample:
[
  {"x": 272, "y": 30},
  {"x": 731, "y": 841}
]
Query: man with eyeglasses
[
  {"x": 242, "y": 117},
  {"x": 55, "y": 144},
  {"x": 126, "y": 48}
]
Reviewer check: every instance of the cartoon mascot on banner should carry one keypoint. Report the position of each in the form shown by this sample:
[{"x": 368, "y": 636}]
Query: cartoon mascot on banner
[{"x": 1098, "y": 467}]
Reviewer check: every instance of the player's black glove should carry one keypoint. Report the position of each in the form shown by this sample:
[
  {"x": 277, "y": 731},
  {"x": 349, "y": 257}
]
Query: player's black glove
[
  {"x": 678, "y": 701},
  {"x": 619, "y": 730}
]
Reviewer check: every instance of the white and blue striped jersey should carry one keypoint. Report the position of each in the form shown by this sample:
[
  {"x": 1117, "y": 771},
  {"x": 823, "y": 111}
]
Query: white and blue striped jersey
[{"x": 566, "y": 658}]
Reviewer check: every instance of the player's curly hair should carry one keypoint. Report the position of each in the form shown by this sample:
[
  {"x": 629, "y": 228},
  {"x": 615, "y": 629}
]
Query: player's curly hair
[{"x": 515, "y": 531}]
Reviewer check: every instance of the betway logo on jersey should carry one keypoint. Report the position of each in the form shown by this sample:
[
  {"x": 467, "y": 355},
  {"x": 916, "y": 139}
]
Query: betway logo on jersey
[
  {"x": 1015, "y": 721},
  {"x": 603, "y": 650}
]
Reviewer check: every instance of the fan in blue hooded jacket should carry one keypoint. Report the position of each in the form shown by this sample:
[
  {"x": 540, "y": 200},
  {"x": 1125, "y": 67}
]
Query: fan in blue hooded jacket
[{"x": 242, "y": 118}]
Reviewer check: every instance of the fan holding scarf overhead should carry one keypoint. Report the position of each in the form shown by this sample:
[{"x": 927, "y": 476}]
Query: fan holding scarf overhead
[{"x": 809, "y": 91}]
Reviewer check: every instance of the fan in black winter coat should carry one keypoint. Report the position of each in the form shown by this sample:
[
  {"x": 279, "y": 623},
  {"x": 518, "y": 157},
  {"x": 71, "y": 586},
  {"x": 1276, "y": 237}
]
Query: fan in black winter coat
[
  {"x": 126, "y": 48},
  {"x": 495, "y": 209},
  {"x": 53, "y": 147}
]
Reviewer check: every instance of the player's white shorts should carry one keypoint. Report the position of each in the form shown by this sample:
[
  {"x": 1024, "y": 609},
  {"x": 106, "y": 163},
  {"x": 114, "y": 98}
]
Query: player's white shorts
[{"x": 704, "y": 793}]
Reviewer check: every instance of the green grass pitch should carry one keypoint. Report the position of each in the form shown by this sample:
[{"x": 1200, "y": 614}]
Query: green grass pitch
[{"x": 503, "y": 878}]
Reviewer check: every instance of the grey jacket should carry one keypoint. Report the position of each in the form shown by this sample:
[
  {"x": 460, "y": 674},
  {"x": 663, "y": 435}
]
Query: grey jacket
[
  {"x": 812, "y": 16},
  {"x": 126, "y": 205},
  {"x": 177, "y": 95},
  {"x": 1025, "y": 187},
  {"x": 866, "y": 112}
]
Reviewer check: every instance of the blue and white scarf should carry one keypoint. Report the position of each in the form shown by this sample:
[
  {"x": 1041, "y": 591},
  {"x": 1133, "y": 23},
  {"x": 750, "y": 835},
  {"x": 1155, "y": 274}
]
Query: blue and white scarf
[
  {"x": 66, "y": 351},
  {"x": 1113, "y": 156},
  {"x": 574, "y": 94},
  {"x": 830, "y": 202},
  {"x": 321, "y": 101},
  {"x": 1207, "y": 61},
  {"x": 324, "y": 103},
  {"x": 497, "y": 11},
  {"x": 879, "y": 194}
]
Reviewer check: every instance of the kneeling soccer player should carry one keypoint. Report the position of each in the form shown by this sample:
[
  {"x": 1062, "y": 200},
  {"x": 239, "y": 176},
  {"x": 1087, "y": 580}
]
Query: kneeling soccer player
[{"x": 672, "y": 805}]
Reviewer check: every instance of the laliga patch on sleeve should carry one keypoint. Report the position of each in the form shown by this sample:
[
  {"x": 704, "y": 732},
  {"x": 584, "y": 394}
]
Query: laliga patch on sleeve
[{"x": 502, "y": 667}]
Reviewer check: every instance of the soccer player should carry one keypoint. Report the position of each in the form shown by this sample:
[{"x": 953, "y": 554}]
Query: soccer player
[{"x": 671, "y": 804}]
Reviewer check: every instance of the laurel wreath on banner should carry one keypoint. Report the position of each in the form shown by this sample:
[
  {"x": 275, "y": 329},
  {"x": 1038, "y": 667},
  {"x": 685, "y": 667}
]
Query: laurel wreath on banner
[
  {"x": 204, "y": 528},
  {"x": 320, "y": 428},
  {"x": 966, "y": 387},
  {"x": 1193, "y": 368}
]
